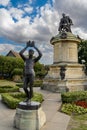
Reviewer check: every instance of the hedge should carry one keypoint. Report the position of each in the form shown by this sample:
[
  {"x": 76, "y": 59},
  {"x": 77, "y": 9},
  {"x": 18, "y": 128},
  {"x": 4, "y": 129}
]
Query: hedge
[
  {"x": 12, "y": 99},
  {"x": 70, "y": 97},
  {"x": 37, "y": 83},
  {"x": 5, "y": 89}
]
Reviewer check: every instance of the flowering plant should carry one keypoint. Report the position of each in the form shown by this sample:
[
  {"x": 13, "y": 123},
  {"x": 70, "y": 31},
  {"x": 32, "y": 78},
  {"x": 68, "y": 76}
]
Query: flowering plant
[{"x": 81, "y": 103}]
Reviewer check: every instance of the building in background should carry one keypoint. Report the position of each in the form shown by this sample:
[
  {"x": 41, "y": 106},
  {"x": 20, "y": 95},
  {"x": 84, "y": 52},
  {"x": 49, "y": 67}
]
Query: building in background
[{"x": 13, "y": 54}]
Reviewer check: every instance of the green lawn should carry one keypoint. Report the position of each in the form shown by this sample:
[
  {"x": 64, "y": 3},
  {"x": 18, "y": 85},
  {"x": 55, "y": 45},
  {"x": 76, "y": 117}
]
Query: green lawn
[{"x": 78, "y": 122}]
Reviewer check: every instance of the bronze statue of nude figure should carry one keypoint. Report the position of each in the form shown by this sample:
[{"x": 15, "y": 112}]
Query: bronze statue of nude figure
[{"x": 29, "y": 73}]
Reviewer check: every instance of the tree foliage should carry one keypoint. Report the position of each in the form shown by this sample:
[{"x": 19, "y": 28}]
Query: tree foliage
[
  {"x": 40, "y": 70},
  {"x": 8, "y": 64},
  {"x": 82, "y": 52}
]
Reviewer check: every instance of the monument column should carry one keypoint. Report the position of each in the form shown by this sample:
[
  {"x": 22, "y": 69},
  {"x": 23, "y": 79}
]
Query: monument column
[
  {"x": 65, "y": 50},
  {"x": 65, "y": 74}
]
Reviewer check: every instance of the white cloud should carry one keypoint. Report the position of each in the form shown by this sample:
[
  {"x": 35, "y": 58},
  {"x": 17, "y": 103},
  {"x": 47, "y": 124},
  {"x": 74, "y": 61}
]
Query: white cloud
[
  {"x": 28, "y": 9},
  {"x": 80, "y": 32},
  {"x": 16, "y": 13},
  {"x": 7, "y": 47},
  {"x": 4, "y": 2},
  {"x": 47, "y": 53},
  {"x": 41, "y": 29},
  {"x": 44, "y": 25},
  {"x": 6, "y": 23},
  {"x": 76, "y": 9}
]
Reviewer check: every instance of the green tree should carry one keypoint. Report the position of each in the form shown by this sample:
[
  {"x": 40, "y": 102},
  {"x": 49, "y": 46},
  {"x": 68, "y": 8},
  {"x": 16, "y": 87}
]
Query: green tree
[
  {"x": 8, "y": 64},
  {"x": 40, "y": 70},
  {"x": 82, "y": 52}
]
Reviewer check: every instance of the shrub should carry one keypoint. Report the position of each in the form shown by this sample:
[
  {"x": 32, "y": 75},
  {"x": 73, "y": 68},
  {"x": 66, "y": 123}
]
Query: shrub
[
  {"x": 70, "y": 97},
  {"x": 5, "y": 89},
  {"x": 40, "y": 70},
  {"x": 17, "y": 71},
  {"x": 37, "y": 83},
  {"x": 69, "y": 108},
  {"x": 38, "y": 97},
  {"x": 7, "y": 65},
  {"x": 20, "y": 85},
  {"x": 12, "y": 99}
]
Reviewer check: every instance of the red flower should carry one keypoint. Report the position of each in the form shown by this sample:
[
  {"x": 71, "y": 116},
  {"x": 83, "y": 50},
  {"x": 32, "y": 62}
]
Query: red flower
[{"x": 81, "y": 103}]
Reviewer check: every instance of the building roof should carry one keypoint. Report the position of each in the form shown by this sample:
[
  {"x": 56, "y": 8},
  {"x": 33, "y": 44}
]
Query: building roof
[{"x": 13, "y": 53}]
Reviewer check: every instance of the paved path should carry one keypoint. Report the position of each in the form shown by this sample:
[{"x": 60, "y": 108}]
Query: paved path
[{"x": 55, "y": 120}]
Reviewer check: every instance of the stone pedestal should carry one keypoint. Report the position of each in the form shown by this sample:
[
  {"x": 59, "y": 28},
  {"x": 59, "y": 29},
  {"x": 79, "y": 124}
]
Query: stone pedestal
[
  {"x": 65, "y": 74},
  {"x": 74, "y": 80},
  {"x": 29, "y": 116}
]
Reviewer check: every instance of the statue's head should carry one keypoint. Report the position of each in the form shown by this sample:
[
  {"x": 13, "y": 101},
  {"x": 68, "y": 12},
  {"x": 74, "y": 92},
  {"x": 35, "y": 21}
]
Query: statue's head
[
  {"x": 31, "y": 52},
  {"x": 63, "y": 14}
]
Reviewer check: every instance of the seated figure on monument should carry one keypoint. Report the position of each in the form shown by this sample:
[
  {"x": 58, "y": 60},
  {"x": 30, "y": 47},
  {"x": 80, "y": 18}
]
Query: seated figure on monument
[{"x": 65, "y": 24}]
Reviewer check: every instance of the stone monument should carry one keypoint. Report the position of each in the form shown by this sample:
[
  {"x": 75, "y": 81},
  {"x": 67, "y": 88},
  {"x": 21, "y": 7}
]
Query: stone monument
[
  {"x": 29, "y": 114},
  {"x": 65, "y": 74}
]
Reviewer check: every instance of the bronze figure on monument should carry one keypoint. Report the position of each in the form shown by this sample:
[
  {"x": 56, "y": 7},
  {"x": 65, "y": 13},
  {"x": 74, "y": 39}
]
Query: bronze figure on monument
[{"x": 65, "y": 23}]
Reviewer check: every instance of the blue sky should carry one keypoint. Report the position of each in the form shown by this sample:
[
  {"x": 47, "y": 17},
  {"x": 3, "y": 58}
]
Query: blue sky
[{"x": 38, "y": 20}]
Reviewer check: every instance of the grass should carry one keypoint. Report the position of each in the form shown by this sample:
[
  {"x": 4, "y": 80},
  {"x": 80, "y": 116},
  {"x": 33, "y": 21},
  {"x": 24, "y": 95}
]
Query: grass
[{"x": 78, "y": 122}]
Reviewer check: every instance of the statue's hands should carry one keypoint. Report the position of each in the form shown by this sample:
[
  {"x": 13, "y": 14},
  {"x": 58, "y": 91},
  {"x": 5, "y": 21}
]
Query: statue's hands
[
  {"x": 28, "y": 43},
  {"x": 33, "y": 44}
]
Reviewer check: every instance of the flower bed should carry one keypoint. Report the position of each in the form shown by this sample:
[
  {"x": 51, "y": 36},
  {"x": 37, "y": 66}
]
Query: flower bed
[
  {"x": 81, "y": 103},
  {"x": 74, "y": 102},
  {"x": 69, "y": 108}
]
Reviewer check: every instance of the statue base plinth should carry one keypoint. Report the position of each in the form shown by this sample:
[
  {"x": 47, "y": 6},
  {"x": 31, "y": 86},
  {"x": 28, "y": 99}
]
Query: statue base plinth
[
  {"x": 74, "y": 80},
  {"x": 29, "y": 116}
]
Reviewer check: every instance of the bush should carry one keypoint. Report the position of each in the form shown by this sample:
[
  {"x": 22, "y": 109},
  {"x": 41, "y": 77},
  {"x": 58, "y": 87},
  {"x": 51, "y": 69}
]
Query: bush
[
  {"x": 7, "y": 65},
  {"x": 12, "y": 99},
  {"x": 17, "y": 71},
  {"x": 70, "y": 97},
  {"x": 37, "y": 83},
  {"x": 40, "y": 70},
  {"x": 69, "y": 108},
  {"x": 38, "y": 97},
  {"x": 20, "y": 85},
  {"x": 6, "y": 89}
]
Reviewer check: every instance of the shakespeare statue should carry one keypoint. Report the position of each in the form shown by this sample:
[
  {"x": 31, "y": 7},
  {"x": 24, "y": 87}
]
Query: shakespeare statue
[
  {"x": 65, "y": 24},
  {"x": 29, "y": 73}
]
